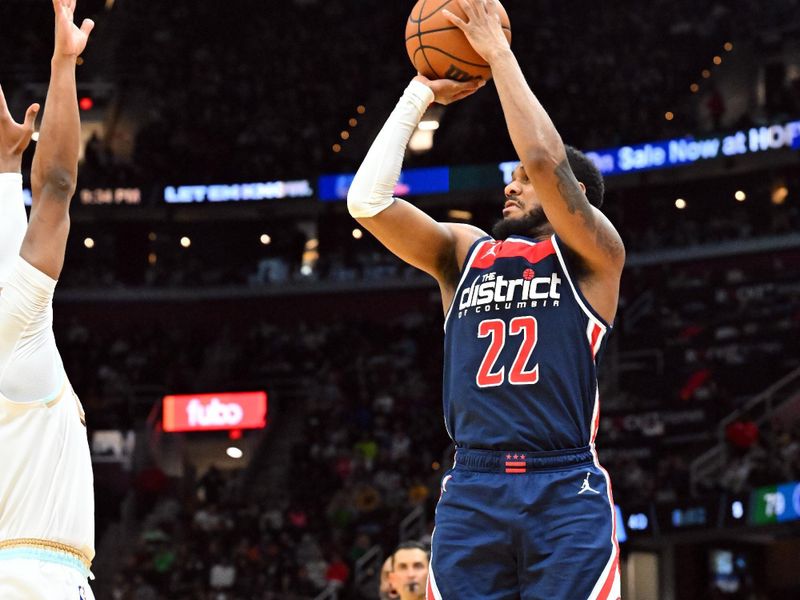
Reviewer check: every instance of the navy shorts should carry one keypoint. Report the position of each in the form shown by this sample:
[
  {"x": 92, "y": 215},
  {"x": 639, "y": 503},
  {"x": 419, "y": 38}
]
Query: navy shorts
[{"x": 525, "y": 526}]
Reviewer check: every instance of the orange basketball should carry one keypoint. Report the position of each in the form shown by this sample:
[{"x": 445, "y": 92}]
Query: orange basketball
[{"x": 440, "y": 50}]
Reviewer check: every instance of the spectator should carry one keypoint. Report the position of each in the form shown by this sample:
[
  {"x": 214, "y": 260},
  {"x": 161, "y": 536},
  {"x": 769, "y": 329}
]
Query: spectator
[{"x": 386, "y": 591}]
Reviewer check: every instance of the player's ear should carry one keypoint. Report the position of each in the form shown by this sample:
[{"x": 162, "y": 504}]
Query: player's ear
[{"x": 583, "y": 187}]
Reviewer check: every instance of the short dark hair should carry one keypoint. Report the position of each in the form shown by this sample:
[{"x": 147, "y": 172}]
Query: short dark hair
[
  {"x": 588, "y": 174},
  {"x": 412, "y": 545}
]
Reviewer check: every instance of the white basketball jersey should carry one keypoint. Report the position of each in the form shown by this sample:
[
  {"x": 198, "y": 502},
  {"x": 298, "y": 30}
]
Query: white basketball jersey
[{"x": 46, "y": 482}]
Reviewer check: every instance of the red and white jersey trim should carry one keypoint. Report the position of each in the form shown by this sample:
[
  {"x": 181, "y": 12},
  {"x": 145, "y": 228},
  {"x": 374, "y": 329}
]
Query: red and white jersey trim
[
  {"x": 432, "y": 590},
  {"x": 595, "y": 417},
  {"x": 595, "y": 334},
  {"x": 608, "y": 586},
  {"x": 592, "y": 317}
]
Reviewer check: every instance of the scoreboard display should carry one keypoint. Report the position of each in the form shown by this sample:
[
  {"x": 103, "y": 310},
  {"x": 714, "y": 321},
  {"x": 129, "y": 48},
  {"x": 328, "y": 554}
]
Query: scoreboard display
[{"x": 775, "y": 504}]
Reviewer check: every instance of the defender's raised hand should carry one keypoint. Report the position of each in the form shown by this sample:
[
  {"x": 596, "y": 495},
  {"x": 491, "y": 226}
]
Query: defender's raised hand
[
  {"x": 70, "y": 39},
  {"x": 483, "y": 29},
  {"x": 14, "y": 137}
]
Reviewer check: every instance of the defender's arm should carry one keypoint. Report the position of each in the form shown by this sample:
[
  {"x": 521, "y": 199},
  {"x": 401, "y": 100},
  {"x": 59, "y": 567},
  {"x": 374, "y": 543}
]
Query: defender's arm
[{"x": 55, "y": 164}]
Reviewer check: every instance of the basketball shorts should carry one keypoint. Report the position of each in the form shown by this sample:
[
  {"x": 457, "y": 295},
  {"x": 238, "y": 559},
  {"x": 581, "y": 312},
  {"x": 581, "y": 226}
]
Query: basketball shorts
[
  {"x": 515, "y": 525},
  {"x": 26, "y": 579}
]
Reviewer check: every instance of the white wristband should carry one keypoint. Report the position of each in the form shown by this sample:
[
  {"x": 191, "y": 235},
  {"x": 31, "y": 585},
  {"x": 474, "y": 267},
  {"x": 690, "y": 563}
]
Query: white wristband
[
  {"x": 13, "y": 222},
  {"x": 372, "y": 190}
]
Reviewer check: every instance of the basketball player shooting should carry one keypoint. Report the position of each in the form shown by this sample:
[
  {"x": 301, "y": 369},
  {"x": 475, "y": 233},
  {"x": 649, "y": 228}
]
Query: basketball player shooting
[
  {"x": 527, "y": 511},
  {"x": 46, "y": 485}
]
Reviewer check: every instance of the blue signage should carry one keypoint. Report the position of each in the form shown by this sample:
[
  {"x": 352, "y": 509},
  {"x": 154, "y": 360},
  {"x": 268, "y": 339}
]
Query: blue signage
[
  {"x": 685, "y": 151},
  {"x": 622, "y": 535},
  {"x": 238, "y": 192},
  {"x": 791, "y": 493},
  {"x": 413, "y": 182},
  {"x": 776, "y": 503}
]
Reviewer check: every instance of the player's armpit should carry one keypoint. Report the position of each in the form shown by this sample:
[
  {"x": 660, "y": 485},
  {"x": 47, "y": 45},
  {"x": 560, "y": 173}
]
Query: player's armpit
[
  {"x": 419, "y": 240},
  {"x": 581, "y": 226}
]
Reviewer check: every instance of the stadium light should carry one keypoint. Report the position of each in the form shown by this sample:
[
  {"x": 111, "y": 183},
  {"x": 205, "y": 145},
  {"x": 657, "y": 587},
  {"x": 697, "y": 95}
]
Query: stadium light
[
  {"x": 461, "y": 215},
  {"x": 740, "y": 196},
  {"x": 265, "y": 239},
  {"x": 779, "y": 193},
  {"x": 234, "y": 452},
  {"x": 186, "y": 242},
  {"x": 680, "y": 203},
  {"x": 421, "y": 141},
  {"x": 89, "y": 243}
]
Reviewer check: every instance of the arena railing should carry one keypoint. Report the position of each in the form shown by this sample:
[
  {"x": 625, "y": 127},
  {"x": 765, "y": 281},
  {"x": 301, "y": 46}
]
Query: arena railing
[{"x": 709, "y": 465}]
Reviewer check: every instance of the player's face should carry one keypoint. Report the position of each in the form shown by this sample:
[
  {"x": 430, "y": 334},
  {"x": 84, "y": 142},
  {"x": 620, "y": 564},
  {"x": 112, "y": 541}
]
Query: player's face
[
  {"x": 522, "y": 212},
  {"x": 386, "y": 589},
  {"x": 521, "y": 198},
  {"x": 410, "y": 570}
]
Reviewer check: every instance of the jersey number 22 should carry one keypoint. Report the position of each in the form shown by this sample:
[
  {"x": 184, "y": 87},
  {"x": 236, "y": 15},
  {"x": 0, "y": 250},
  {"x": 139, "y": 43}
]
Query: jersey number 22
[{"x": 518, "y": 375}]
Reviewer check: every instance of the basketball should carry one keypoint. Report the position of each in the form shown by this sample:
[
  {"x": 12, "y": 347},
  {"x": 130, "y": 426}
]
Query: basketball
[{"x": 440, "y": 50}]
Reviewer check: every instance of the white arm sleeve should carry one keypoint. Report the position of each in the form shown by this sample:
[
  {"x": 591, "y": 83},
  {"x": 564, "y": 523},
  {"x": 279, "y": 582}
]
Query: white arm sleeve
[
  {"x": 373, "y": 187},
  {"x": 13, "y": 222},
  {"x": 30, "y": 365}
]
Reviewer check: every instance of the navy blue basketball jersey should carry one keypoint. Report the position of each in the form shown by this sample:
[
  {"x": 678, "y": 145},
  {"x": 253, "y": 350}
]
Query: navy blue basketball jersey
[{"x": 521, "y": 351}]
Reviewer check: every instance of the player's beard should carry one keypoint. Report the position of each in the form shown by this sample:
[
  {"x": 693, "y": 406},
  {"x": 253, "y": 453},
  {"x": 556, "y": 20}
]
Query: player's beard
[{"x": 527, "y": 225}]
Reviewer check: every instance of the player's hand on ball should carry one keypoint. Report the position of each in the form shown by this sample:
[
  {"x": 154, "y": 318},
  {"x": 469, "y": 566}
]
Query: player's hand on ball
[
  {"x": 484, "y": 28},
  {"x": 14, "y": 137},
  {"x": 70, "y": 39},
  {"x": 447, "y": 91}
]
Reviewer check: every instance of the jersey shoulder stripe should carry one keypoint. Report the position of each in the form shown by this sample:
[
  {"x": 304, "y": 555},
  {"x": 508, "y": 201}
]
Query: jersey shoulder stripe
[{"x": 514, "y": 248}]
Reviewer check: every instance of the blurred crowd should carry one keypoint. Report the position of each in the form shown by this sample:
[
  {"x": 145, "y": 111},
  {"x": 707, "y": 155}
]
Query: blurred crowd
[
  {"x": 368, "y": 456},
  {"x": 265, "y": 90},
  {"x": 710, "y": 335}
]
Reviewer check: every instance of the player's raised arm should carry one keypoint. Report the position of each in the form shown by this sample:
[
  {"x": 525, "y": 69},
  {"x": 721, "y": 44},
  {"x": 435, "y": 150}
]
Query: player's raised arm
[
  {"x": 581, "y": 226},
  {"x": 14, "y": 139},
  {"x": 55, "y": 164},
  {"x": 403, "y": 228}
]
